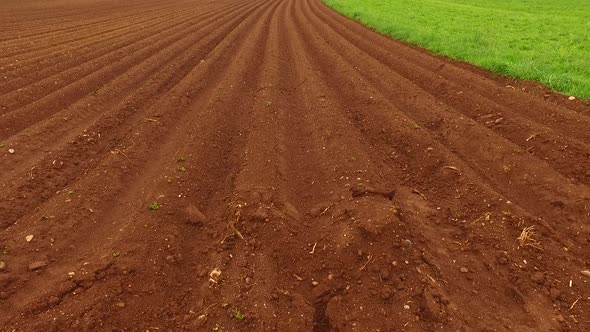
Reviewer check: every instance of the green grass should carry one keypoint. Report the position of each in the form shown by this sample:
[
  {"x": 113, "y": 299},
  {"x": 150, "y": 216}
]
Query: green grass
[{"x": 542, "y": 40}]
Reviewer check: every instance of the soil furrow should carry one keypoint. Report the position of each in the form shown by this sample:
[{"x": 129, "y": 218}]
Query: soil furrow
[
  {"x": 10, "y": 54},
  {"x": 96, "y": 139},
  {"x": 545, "y": 181},
  {"x": 45, "y": 55},
  {"x": 43, "y": 25},
  {"x": 425, "y": 181},
  {"x": 566, "y": 154},
  {"x": 564, "y": 121},
  {"x": 271, "y": 165},
  {"x": 48, "y": 57},
  {"x": 61, "y": 99},
  {"x": 81, "y": 70},
  {"x": 53, "y": 65},
  {"x": 238, "y": 72},
  {"x": 111, "y": 98}
]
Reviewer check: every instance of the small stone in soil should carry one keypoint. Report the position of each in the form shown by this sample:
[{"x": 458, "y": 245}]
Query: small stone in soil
[
  {"x": 121, "y": 304},
  {"x": 464, "y": 270},
  {"x": 11, "y": 151},
  {"x": 2, "y": 266},
  {"x": 314, "y": 283}
]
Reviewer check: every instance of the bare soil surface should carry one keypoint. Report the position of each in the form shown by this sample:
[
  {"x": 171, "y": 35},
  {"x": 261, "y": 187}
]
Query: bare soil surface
[{"x": 270, "y": 165}]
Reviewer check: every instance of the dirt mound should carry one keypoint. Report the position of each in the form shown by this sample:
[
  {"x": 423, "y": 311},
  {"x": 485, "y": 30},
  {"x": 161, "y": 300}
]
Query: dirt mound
[{"x": 271, "y": 165}]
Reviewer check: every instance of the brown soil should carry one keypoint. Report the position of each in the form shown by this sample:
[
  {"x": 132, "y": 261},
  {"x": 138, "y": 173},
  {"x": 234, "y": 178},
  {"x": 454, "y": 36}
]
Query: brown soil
[{"x": 309, "y": 175}]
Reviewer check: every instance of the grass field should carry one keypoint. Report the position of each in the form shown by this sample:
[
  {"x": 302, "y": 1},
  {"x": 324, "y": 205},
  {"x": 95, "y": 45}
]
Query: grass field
[{"x": 542, "y": 40}]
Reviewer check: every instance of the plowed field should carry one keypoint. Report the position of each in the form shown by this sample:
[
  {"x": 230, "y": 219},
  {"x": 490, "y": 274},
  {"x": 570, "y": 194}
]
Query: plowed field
[{"x": 270, "y": 165}]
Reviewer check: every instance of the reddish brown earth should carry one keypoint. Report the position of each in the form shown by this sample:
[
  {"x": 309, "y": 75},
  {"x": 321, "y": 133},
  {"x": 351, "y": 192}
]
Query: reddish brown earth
[{"x": 310, "y": 174}]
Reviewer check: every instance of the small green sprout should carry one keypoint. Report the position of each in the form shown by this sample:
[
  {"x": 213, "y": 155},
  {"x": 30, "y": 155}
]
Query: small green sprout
[
  {"x": 238, "y": 315},
  {"x": 182, "y": 169},
  {"x": 154, "y": 206},
  {"x": 169, "y": 180},
  {"x": 116, "y": 254}
]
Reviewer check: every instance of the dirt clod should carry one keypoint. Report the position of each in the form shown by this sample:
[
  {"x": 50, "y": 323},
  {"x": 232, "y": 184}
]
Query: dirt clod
[
  {"x": 538, "y": 277},
  {"x": 170, "y": 259},
  {"x": 194, "y": 216},
  {"x": 431, "y": 308},
  {"x": 555, "y": 293},
  {"x": 38, "y": 265}
]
